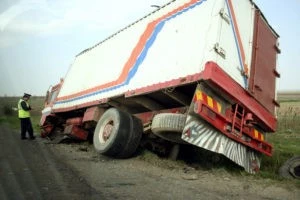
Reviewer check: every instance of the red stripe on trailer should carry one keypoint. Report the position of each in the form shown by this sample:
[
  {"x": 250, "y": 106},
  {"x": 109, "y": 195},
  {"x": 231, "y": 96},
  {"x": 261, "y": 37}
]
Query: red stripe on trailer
[{"x": 238, "y": 35}]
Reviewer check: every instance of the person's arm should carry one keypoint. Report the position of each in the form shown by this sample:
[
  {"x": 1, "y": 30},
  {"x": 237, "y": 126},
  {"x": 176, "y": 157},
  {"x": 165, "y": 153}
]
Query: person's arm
[{"x": 24, "y": 106}]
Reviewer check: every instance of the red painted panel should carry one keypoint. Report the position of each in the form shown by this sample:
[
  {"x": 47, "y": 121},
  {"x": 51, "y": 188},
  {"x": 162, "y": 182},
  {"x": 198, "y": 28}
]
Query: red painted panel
[
  {"x": 214, "y": 74},
  {"x": 263, "y": 67},
  {"x": 79, "y": 133},
  {"x": 220, "y": 122},
  {"x": 76, "y": 132},
  {"x": 93, "y": 114},
  {"x": 74, "y": 121}
]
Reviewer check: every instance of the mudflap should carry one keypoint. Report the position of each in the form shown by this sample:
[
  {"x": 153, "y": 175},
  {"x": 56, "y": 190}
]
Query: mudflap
[{"x": 200, "y": 133}]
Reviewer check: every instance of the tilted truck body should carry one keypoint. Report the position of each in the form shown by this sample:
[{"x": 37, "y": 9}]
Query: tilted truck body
[{"x": 191, "y": 72}]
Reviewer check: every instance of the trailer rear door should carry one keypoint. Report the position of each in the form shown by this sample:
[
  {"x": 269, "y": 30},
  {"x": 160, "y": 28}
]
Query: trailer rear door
[{"x": 263, "y": 68}]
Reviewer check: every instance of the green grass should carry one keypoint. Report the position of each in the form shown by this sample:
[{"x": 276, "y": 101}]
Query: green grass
[
  {"x": 14, "y": 122},
  {"x": 10, "y": 116},
  {"x": 11, "y": 120},
  {"x": 286, "y": 140}
]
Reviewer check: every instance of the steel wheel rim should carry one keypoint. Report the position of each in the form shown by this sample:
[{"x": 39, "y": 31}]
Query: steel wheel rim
[{"x": 106, "y": 131}]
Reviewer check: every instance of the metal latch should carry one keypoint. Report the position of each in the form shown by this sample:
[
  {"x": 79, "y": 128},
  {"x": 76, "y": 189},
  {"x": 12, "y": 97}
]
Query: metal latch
[
  {"x": 220, "y": 50},
  {"x": 224, "y": 16}
]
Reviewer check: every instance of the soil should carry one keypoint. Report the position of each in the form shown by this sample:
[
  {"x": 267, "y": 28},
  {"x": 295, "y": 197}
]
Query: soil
[{"x": 39, "y": 169}]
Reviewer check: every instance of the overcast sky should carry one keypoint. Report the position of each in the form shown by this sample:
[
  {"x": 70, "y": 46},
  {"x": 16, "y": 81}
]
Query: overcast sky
[{"x": 39, "y": 39}]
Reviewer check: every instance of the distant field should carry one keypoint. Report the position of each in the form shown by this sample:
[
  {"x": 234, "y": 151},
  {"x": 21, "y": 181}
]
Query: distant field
[
  {"x": 289, "y": 111},
  {"x": 9, "y": 115},
  {"x": 288, "y": 96},
  {"x": 36, "y": 103}
]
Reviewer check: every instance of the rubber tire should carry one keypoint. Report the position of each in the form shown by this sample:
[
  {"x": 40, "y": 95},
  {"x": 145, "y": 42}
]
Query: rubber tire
[
  {"x": 134, "y": 138},
  {"x": 287, "y": 169},
  {"x": 125, "y": 136},
  {"x": 169, "y": 126}
]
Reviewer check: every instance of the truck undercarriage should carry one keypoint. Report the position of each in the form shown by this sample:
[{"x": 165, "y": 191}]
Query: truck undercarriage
[{"x": 203, "y": 110}]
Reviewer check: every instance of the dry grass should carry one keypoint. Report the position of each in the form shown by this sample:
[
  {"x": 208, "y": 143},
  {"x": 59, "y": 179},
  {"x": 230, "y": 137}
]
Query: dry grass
[
  {"x": 288, "y": 96},
  {"x": 289, "y": 117},
  {"x": 286, "y": 140}
]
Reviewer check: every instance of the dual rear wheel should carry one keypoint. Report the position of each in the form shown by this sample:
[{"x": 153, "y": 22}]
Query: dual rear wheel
[{"x": 118, "y": 133}]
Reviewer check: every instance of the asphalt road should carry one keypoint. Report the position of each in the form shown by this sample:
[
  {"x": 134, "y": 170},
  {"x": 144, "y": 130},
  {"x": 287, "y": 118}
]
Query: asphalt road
[{"x": 29, "y": 170}]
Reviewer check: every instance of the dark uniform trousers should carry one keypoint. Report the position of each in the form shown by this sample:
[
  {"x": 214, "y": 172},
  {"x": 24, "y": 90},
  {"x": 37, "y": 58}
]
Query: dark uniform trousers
[{"x": 26, "y": 126}]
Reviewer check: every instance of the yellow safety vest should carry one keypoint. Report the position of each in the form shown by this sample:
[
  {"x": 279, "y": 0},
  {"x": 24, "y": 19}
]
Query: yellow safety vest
[{"x": 23, "y": 113}]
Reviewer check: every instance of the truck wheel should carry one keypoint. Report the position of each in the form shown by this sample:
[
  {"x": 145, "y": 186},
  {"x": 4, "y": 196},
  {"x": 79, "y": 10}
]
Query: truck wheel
[
  {"x": 117, "y": 134},
  {"x": 291, "y": 168},
  {"x": 134, "y": 138},
  {"x": 169, "y": 126}
]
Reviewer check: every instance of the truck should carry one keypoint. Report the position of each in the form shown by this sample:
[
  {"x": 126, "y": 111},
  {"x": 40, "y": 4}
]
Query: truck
[{"x": 191, "y": 72}]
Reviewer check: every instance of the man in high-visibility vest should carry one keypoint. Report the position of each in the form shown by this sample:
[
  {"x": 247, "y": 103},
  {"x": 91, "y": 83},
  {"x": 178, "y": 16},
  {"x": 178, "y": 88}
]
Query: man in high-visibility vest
[{"x": 24, "y": 116}]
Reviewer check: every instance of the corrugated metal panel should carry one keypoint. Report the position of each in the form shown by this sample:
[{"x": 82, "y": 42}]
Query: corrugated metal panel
[{"x": 205, "y": 136}]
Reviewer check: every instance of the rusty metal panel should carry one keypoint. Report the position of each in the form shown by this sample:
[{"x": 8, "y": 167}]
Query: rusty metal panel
[
  {"x": 74, "y": 121},
  {"x": 93, "y": 114},
  {"x": 262, "y": 82},
  {"x": 76, "y": 132}
]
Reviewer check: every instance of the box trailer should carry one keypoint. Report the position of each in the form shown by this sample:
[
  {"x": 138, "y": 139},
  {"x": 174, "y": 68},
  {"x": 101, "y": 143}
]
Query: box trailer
[{"x": 198, "y": 72}]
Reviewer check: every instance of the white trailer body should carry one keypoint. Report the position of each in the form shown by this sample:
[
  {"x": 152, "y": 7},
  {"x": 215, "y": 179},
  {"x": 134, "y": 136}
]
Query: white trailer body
[
  {"x": 172, "y": 42},
  {"x": 214, "y": 61}
]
